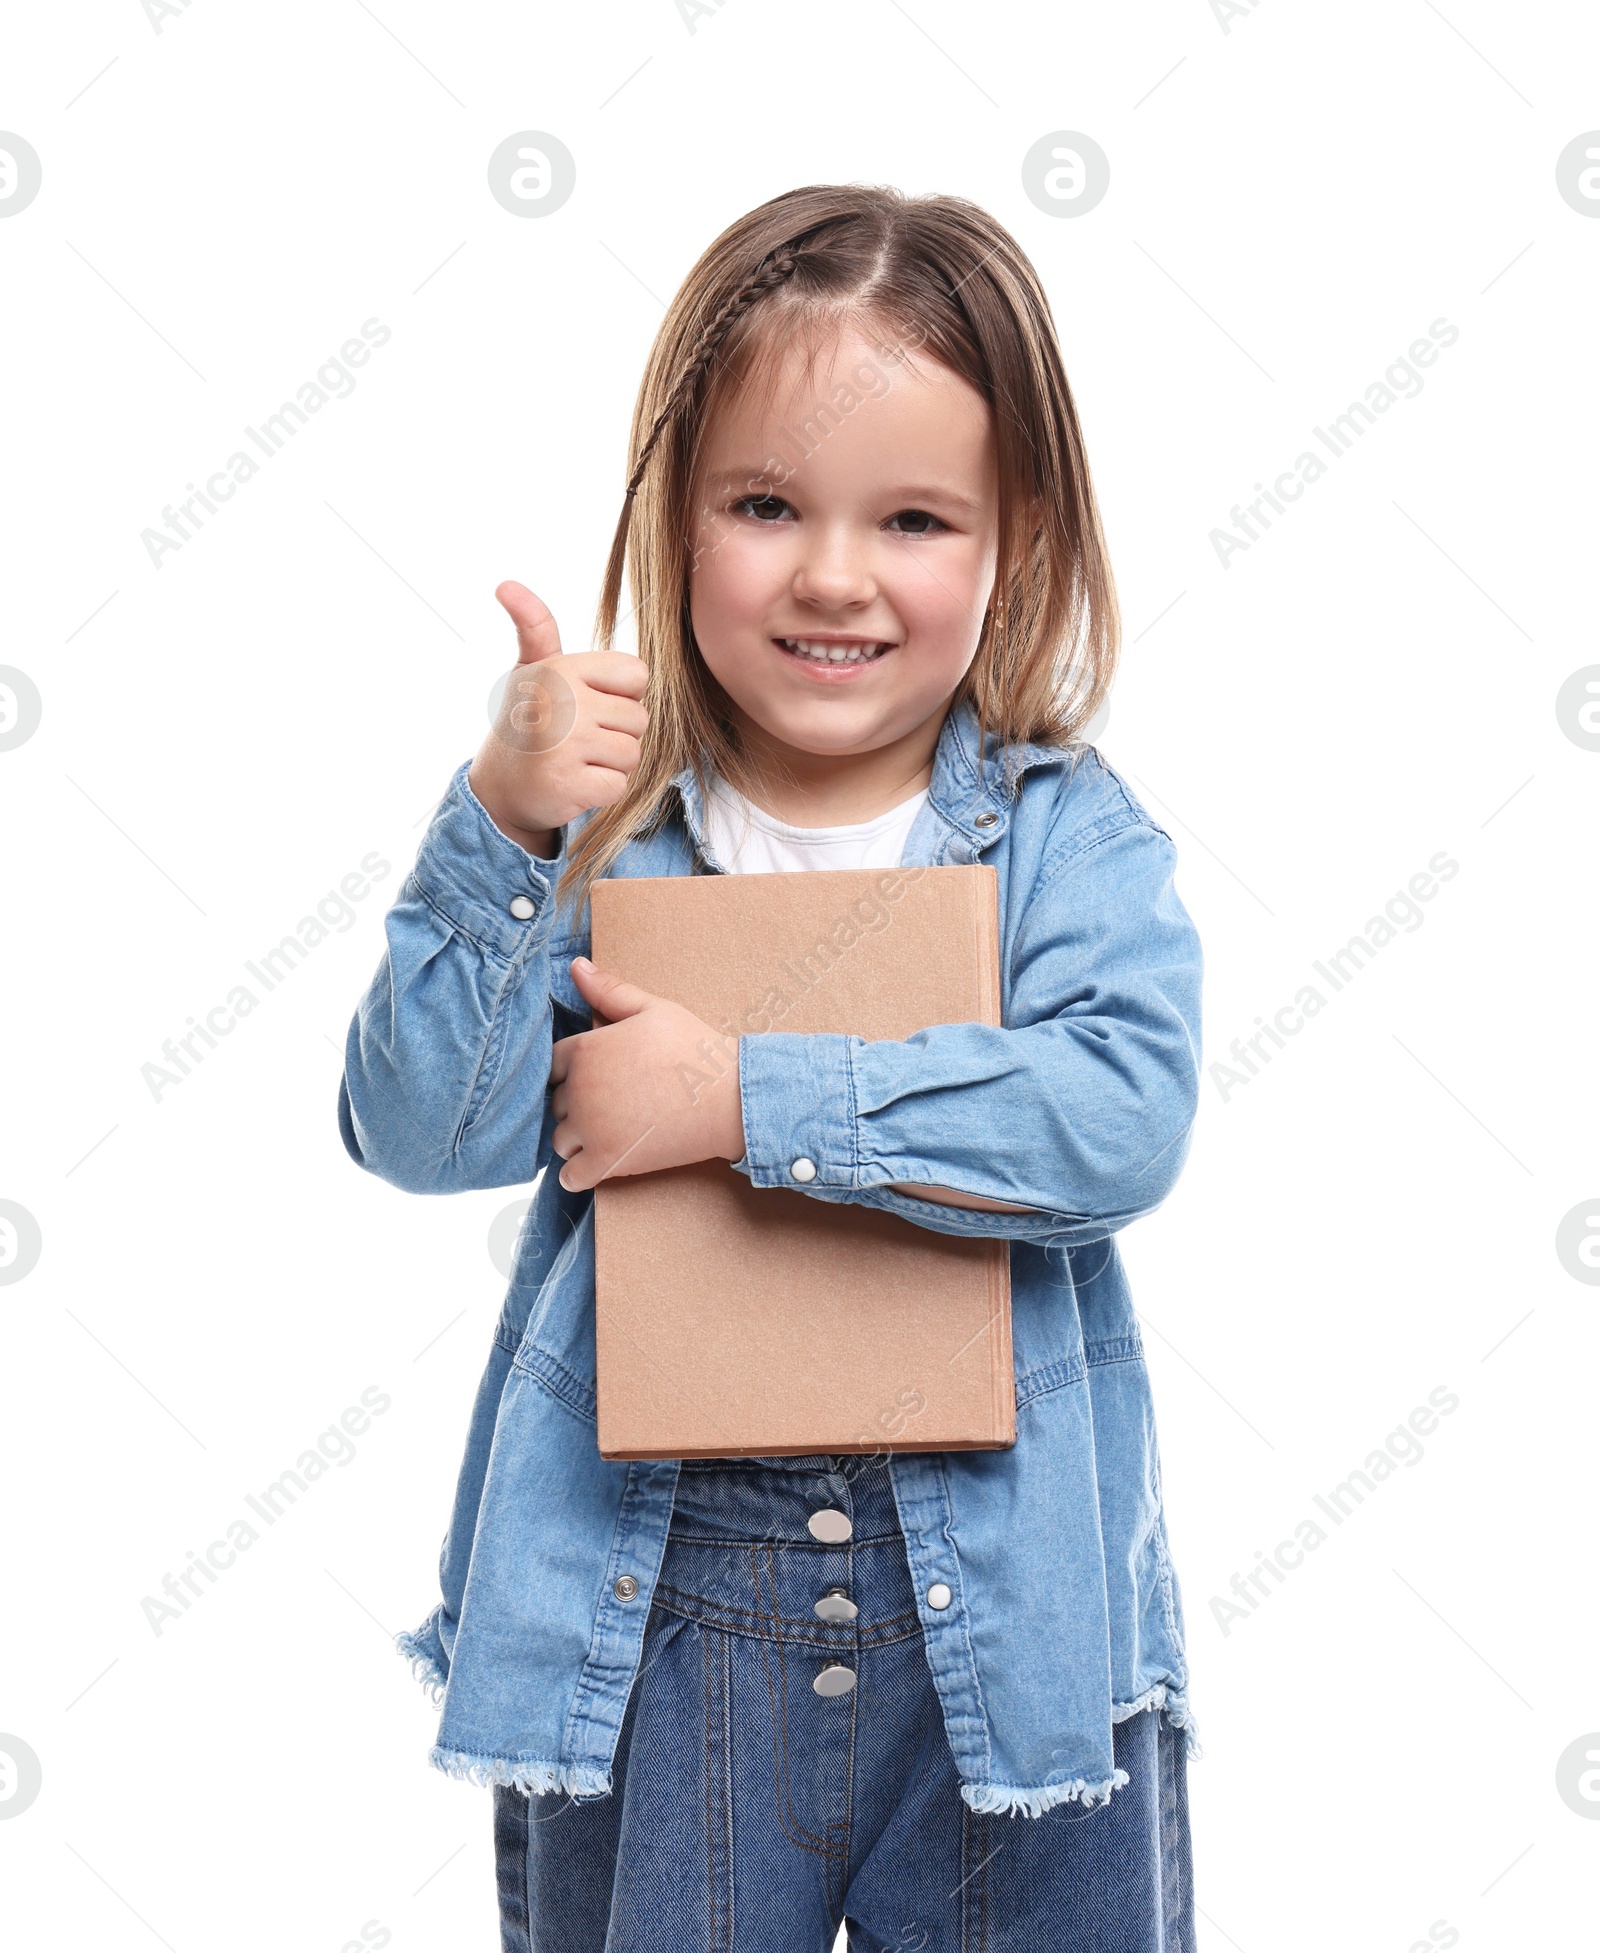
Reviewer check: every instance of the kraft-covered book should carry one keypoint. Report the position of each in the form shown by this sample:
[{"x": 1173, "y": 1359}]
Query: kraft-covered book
[{"x": 739, "y": 1321}]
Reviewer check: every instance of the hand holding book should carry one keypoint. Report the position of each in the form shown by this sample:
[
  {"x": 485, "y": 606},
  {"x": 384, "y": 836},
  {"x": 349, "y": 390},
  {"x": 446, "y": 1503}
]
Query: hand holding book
[
  {"x": 655, "y": 1086},
  {"x": 652, "y": 1087}
]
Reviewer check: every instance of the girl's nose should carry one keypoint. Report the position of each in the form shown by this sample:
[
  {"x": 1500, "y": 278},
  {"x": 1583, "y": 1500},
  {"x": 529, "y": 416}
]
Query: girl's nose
[{"x": 834, "y": 572}]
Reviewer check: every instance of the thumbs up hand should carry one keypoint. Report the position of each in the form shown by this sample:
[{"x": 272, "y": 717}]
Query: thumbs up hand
[
  {"x": 568, "y": 733},
  {"x": 655, "y": 1086}
]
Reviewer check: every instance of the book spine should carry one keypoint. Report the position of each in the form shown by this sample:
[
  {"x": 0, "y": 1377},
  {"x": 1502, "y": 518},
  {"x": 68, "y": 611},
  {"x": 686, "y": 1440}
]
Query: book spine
[
  {"x": 988, "y": 933},
  {"x": 1005, "y": 1383}
]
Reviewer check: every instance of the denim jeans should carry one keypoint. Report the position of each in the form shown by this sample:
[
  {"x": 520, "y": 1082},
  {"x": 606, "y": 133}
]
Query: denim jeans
[{"x": 751, "y": 1813}]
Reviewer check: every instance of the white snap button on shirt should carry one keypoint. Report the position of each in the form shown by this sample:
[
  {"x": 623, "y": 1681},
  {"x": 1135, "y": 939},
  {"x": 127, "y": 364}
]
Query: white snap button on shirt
[
  {"x": 802, "y": 1169},
  {"x": 939, "y": 1596},
  {"x": 830, "y": 1525},
  {"x": 522, "y": 907}
]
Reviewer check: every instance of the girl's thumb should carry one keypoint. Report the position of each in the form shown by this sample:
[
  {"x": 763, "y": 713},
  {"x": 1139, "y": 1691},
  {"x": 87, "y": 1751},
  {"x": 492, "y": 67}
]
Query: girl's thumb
[
  {"x": 537, "y": 635},
  {"x": 609, "y": 994}
]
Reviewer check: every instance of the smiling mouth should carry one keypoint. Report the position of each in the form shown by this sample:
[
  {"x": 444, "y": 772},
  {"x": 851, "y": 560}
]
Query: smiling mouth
[{"x": 833, "y": 651}]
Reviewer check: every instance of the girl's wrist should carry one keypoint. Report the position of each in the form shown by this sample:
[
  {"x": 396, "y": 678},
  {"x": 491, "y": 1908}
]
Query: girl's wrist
[
  {"x": 535, "y": 840},
  {"x": 732, "y": 1142}
]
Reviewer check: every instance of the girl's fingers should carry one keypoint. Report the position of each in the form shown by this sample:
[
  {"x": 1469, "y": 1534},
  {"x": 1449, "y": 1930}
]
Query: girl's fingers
[
  {"x": 614, "y": 713},
  {"x": 572, "y": 1175},
  {"x": 614, "y": 751},
  {"x": 537, "y": 636},
  {"x": 601, "y": 786},
  {"x": 612, "y": 671},
  {"x": 561, "y": 1057}
]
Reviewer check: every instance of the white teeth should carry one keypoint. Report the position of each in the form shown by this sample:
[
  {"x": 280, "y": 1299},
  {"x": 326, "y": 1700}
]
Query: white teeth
[{"x": 833, "y": 654}]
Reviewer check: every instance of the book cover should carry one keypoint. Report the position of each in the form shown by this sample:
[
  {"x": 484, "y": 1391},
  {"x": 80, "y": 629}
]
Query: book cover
[{"x": 734, "y": 1320}]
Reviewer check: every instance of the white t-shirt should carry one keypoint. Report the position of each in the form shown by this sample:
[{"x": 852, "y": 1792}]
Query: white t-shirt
[{"x": 749, "y": 841}]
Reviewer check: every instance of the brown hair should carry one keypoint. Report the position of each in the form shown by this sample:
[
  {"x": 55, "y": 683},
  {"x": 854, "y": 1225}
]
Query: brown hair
[{"x": 943, "y": 277}]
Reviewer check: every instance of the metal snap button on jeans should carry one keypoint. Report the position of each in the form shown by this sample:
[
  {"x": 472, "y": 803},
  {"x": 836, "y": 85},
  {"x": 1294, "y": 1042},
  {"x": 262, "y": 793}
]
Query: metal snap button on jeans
[
  {"x": 835, "y": 1605},
  {"x": 830, "y": 1525},
  {"x": 626, "y": 1587},
  {"x": 835, "y": 1679},
  {"x": 986, "y": 820}
]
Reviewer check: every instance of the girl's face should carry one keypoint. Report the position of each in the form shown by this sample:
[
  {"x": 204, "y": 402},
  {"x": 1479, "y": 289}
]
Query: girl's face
[{"x": 846, "y": 546}]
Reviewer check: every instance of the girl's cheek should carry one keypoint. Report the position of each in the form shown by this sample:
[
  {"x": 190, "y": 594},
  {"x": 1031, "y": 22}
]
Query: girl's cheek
[
  {"x": 738, "y": 583},
  {"x": 940, "y": 603}
]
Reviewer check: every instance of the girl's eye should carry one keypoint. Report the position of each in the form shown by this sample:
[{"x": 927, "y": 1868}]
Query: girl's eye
[
  {"x": 915, "y": 522},
  {"x": 762, "y": 508}
]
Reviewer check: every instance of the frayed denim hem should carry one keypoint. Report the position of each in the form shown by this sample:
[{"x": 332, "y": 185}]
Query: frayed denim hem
[
  {"x": 424, "y": 1663},
  {"x": 1011, "y": 1799},
  {"x": 1020, "y": 1802},
  {"x": 534, "y": 1779},
  {"x": 1179, "y": 1714}
]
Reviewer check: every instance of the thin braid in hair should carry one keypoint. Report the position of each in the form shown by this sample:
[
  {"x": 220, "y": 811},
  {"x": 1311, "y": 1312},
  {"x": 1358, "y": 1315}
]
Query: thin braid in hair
[{"x": 773, "y": 272}]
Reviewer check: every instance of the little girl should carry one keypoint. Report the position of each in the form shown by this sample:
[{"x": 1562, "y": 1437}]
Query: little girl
[{"x": 728, "y": 1704}]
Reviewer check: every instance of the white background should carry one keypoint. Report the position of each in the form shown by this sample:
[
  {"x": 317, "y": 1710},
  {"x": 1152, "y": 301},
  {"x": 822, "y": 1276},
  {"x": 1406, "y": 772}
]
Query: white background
[{"x": 1295, "y": 195}]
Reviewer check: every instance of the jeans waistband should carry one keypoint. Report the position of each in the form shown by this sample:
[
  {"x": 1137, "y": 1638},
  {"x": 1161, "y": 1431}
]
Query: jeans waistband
[{"x": 750, "y": 1499}]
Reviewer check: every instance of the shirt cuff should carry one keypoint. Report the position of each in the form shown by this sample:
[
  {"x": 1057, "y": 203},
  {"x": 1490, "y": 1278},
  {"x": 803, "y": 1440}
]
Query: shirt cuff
[
  {"x": 482, "y": 881},
  {"x": 798, "y": 1096}
]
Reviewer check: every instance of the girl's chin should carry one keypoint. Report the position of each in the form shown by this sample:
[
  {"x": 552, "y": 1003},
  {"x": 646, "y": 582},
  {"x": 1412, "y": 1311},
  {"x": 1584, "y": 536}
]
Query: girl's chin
[{"x": 830, "y": 730}]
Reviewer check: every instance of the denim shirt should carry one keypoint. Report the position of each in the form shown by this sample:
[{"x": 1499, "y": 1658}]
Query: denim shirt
[{"x": 1065, "y": 1616}]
